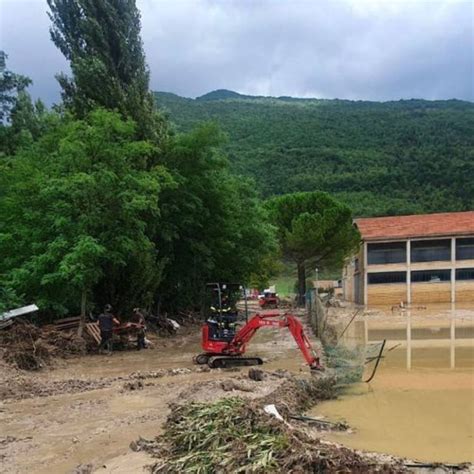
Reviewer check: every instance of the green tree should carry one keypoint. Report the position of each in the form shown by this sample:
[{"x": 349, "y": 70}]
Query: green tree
[
  {"x": 79, "y": 214},
  {"x": 214, "y": 227},
  {"x": 12, "y": 98},
  {"x": 11, "y": 84},
  {"x": 314, "y": 230},
  {"x": 101, "y": 40},
  {"x": 28, "y": 122}
]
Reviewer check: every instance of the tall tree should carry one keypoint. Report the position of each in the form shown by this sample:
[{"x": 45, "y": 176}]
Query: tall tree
[
  {"x": 314, "y": 230},
  {"x": 214, "y": 227},
  {"x": 101, "y": 40}
]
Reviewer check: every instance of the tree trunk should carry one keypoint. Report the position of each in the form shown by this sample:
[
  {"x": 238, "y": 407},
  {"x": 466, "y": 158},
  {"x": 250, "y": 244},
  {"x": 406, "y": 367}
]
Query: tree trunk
[
  {"x": 301, "y": 283},
  {"x": 82, "y": 321}
]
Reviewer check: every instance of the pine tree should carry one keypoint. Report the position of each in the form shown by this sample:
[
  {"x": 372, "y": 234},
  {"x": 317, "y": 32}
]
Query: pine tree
[{"x": 314, "y": 230}]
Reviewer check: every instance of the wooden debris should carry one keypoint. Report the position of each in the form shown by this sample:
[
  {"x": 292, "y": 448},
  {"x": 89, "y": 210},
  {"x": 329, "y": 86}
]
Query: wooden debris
[
  {"x": 67, "y": 323},
  {"x": 93, "y": 331}
]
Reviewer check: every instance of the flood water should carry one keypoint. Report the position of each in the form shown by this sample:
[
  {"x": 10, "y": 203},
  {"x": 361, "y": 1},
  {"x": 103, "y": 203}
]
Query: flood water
[{"x": 420, "y": 404}]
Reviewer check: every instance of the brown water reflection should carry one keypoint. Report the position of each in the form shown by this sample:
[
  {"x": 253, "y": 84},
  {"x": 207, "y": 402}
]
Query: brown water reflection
[{"x": 421, "y": 403}]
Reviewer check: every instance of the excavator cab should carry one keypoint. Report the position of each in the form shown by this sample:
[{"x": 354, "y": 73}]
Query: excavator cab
[{"x": 220, "y": 309}]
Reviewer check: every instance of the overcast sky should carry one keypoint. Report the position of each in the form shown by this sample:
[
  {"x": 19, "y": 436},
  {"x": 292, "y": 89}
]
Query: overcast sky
[{"x": 353, "y": 49}]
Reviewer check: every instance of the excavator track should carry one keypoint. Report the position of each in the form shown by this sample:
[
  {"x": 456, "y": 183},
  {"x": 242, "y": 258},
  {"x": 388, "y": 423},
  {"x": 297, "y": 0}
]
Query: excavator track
[
  {"x": 201, "y": 359},
  {"x": 219, "y": 362}
]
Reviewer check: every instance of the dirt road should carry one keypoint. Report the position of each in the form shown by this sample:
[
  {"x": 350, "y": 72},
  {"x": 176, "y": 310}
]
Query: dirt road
[{"x": 89, "y": 410}]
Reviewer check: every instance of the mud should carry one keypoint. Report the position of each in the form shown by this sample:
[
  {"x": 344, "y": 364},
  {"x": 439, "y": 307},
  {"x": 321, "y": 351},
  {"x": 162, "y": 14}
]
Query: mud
[
  {"x": 84, "y": 411},
  {"x": 420, "y": 404}
]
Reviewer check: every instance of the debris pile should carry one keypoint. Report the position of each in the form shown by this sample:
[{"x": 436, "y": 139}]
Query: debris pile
[
  {"x": 165, "y": 326},
  {"x": 236, "y": 435},
  {"x": 297, "y": 394},
  {"x": 28, "y": 347}
]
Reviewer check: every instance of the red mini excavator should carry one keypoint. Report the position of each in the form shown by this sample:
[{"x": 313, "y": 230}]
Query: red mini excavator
[{"x": 225, "y": 347}]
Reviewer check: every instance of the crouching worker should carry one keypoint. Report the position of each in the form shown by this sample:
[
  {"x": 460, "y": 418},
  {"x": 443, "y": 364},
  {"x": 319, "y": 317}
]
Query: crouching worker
[
  {"x": 139, "y": 320},
  {"x": 106, "y": 325}
]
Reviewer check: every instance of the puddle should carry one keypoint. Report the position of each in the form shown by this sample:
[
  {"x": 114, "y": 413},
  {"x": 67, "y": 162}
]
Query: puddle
[{"x": 420, "y": 404}]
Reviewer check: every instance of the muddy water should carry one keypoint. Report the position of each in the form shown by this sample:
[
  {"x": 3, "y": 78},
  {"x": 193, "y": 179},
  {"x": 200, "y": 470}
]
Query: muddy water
[
  {"x": 423, "y": 409},
  {"x": 57, "y": 433}
]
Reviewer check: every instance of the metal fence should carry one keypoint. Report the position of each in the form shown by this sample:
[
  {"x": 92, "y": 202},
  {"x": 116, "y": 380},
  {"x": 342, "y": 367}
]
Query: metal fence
[{"x": 317, "y": 314}]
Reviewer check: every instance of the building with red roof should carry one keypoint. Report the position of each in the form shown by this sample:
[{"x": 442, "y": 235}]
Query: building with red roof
[{"x": 414, "y": 259}]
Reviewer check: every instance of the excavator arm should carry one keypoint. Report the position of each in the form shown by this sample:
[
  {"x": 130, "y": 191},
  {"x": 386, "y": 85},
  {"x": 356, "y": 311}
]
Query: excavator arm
[{"x": 274, "y": 319}]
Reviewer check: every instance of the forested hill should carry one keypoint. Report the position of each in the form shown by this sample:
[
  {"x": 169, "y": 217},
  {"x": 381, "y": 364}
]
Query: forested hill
[{"x": 399, "y": 157}]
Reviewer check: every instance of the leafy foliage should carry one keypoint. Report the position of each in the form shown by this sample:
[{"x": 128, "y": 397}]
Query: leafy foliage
[
  {"x": 379, "y": 158},
  {"x": 80, "y": 212},
  {"x": 99, "y": 201},
  {"x": 28, "y": 122},
  {"x": 216, "y": 229},
  {"x": 84, "y": 211},
  {"x": 11, "y": 84},
  {"x": 20, "y": 120}
]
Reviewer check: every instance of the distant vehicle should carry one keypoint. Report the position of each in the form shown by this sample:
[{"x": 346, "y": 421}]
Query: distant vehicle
[{"x": 268, "y": 300}]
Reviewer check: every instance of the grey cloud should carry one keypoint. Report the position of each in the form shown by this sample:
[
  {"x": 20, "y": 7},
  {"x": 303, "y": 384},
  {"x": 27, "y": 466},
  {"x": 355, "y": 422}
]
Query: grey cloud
[{"x": 354, "y": 49}]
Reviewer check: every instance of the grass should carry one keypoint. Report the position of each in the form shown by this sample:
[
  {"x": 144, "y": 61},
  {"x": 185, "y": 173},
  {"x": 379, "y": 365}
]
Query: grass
[{"x": 285, "y": 285}]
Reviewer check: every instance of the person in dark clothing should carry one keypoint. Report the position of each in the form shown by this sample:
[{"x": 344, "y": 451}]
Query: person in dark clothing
[
  {"x": 139, "y": 319},
  {"x": 106, "y": 324}
]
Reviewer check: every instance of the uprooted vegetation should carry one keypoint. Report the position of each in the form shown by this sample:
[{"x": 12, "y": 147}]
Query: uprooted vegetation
[
  {"x": 25, "y": 346},
  {"x": 28, "y": 347},
  {"x": 237, "y": 435}
]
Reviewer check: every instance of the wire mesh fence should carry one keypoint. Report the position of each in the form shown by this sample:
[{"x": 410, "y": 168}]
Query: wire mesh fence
[{"x": 345, "y": 351}]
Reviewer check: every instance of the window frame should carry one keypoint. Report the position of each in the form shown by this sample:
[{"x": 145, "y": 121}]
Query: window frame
[
  {"x": 379, "y": 274},
  {"x": 417, "y": 245},
  {"x": 444, "y": 271},
  {"x": 393, "y": 246},
  {"x": 460, "y": 270},
  {"x": 469, "y": 246}
]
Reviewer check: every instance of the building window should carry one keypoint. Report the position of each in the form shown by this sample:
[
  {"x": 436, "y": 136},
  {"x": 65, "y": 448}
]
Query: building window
[
  {"x": 465, "y": 274},
  {"x": 387, "y": 277},
  {"x": 464, "y": 249},
  {"x": 391, "y": 252},
  {"x": 430, "y": 250},
  {"x": 430, "y": 276}
]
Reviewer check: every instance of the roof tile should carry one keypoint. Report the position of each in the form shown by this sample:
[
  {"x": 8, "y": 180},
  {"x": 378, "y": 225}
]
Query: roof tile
[{"x": 424, "y": 225}]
